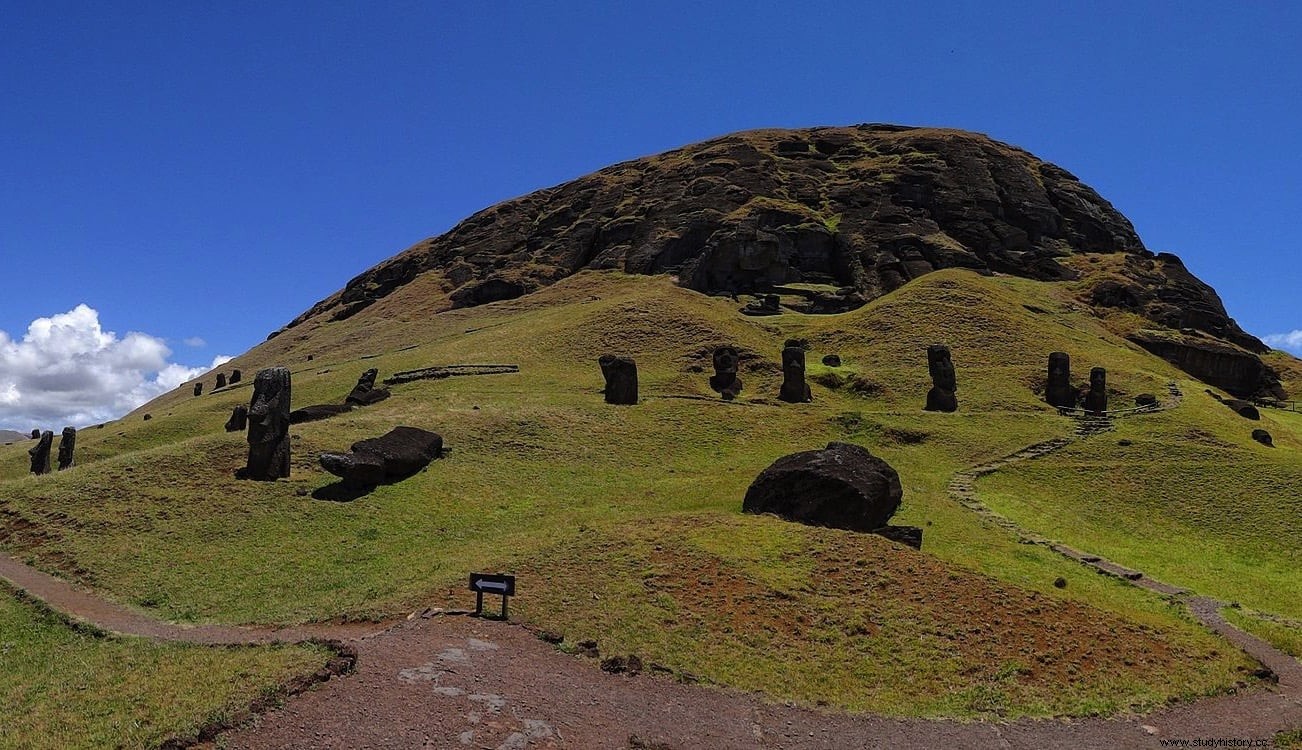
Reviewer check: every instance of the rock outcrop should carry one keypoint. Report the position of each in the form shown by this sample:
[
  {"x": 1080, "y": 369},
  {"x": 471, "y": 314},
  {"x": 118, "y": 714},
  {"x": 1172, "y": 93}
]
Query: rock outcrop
[
  {"x": 842, "y": 486},
  {"x": 1227, "y": 366}
]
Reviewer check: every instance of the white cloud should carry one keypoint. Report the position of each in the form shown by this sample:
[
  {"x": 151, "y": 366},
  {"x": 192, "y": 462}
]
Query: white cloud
[
  {"x": 194, "y": 341},
  {"x": 1291, "y": 341},
  {"x": 67, "y": 370}
]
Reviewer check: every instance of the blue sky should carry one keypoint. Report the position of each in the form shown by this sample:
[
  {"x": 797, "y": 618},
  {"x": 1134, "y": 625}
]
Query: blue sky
[{"x": 206, "y": 172}]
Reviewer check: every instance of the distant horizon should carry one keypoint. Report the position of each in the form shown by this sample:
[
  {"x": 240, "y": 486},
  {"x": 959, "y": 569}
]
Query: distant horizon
[{"x": 190, "y": 178}]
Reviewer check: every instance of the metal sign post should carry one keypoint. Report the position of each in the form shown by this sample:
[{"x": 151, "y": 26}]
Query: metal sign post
[{"x": 481, "y": 583}]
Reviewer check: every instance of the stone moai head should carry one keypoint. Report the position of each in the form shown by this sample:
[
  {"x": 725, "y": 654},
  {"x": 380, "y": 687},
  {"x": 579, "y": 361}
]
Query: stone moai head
[
  {"x": 941, "y": 367},
  {"x": 235, "y": 376},
  {"x": 620, "y": 374},
  {"x": 198, "y": 389},
  {"x": 1057, "y": 387},
  {"x": 726, "y": 360},
  {"x": 268, "y": 434},
  {"x": 67, "y": 443},
  {"x": 1059, "y": 367},
  {"x": 221, "y": 380},
  {"x": 40, "y": 453},
  {"x": 36, "y": 434},
  {"x": 1098, "y": 379},
  {"x": 794, "y": 388}
]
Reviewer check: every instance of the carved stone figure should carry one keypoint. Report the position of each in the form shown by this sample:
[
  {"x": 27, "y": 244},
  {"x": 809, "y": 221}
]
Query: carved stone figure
[
  {"x": 235, "y": 376},
  {"x": 725, "y": 380},
  {"x": 67, "y": 442},
  {"x": 40, "y": 453},
  {"x": 1096, "y": 398},
  {"x": 942, "y": 396},
  {"x": 621, "y": 379},
  {"x": 36, "y": 434},
  {"x": 842, "y": 486},
  {"x": 392, "y": 457},
  {"x": 268, "y": 426},
  {"x": 1058, "y": 390},
  {"x": 1263, "y": 437},
  {"x": 794, "y": 388},
  {"x": 198, "y": 389},
  {"x": 221, "y": 380},
  {"x": 365, "y": 392},
  {"x": 239, "y": 419}
]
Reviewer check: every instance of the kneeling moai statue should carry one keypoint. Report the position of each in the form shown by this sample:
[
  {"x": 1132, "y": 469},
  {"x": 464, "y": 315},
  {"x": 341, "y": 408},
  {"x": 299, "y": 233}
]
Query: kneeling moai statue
[
  {"x": 40, "y": 453},
  {"x": 794, "y": 388},
  {"x": 67, "y": 442},
  {"x": 1096, "y": 398},
  {"x": 621, "y": 378},
  {"x": 725, "y": 380},
  {"x": 1057, "y": 386},
  {"x": 268, "y": 426},
  {"x": 942, "y": 396}
]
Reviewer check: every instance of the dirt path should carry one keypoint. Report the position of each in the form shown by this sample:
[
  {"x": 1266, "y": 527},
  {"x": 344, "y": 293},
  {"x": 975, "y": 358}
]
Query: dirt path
[{"x": 462, "y": 682}]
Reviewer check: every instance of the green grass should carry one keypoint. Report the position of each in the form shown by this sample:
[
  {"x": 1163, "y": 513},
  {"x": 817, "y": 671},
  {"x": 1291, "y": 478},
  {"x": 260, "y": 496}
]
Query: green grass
[
  {"x": 1286, "y": 637},
  {"x": 540, "y": 470},
  {"x": 72, "y": 688}
]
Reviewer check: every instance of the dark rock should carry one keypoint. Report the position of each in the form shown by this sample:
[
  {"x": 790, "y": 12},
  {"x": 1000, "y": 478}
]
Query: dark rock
[
  {"x": 268, "y": 435},
  {"x": 67, "y": 444},
  {"x": 1096, "y": 398},
  {"x": 318, "y": 411},
  {"x": 239, "y": 419},
  {"x": 1263, "y": 437},
  {"x": 221, "y": 380},
  {"x": 40, "y": 453},
  {"x": 549, "y": 637},
  {"x": 1145, "y": 399},
  {"x": 620, "y": 374},
  {"x": 944, "y": 387},
  {"x": 907, "y": 535},
  {"x": 235, "y": 376},
  {"x": 588, "y": 648},
  {"x": 148, "y": 417},
  {"x": 832, "y": 360},
  {"x": 1223, "y": 365},
  {"x": 794, "y": 388},
  {"x": 1060, "y": 583},
  {"x": 764, "y": 304},
  {"x": 1058, "y": 390},
  {"x": 36, "y": 434},
  {"x": 198, "y": 389},
  {"x": 614, "y": 665},
  {"x": 365, "y": 393},
  {"x": 1243, "y": 408},
  {"x": 725, "y": 381},
  {"x": 842, "y": 486},
  {"x": 1125, "y": 443},
  {"x": 392, "y": 457}
]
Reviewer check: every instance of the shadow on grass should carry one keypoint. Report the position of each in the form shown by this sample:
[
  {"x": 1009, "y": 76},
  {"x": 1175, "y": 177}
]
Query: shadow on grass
[{"x": 343, "y": 492}]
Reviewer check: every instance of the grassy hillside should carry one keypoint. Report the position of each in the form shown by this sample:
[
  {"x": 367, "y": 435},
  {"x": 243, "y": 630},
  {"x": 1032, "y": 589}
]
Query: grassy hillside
[{"x": 624, "y": 522}]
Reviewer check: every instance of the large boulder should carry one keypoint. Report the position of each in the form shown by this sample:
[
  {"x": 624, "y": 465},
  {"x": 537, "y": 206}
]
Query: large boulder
[
  {"x": 392, "y": 457},
  {"x": 842, "y": 486}
]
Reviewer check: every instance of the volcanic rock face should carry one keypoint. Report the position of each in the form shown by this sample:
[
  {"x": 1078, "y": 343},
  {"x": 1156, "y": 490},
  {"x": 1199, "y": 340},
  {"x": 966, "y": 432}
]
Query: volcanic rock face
[
  {"x": 842, "y": 486},
  {"x": 862, "y": 210},
  {"x": 1224, "y": 365}
]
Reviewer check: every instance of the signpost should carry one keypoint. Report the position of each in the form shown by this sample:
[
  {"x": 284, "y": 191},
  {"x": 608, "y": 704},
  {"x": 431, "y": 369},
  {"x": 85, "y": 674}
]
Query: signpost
[{"x": 481, "y": 583}]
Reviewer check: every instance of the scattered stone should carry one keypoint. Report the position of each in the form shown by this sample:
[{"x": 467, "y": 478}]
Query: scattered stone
[
  {"x": 198, "y": 389},
  {"x": 725, "y": 380},
  {"x": 67, "y": 443},
  {"x": 1263, "y": 437},
  {"x": 1096, "y": 398},
  {"x": 910, "y": 536},
  {"x": 942, "y": 396},
  {"x": 621, "y": 379},
  {"x": 794, "y": 388},
  {"x": 392, "y": 457},
  {"x": 446, "y": 371},
  {"x": 221, "y": 380},
  {"x": 1124, "y": 442},
  {"x": 842, "y": 486},
  {"x": 235, "y": 376},
  {"x": 268, "y": 426},
  {"x": 588, "y": 648},
  {"x": 832, "y": 360},
  {"x": 764, "y": 304},
  {"x": 239, "y": 419},
  {"x": 40, "y": 453},
  {"x": 365, "y": 393},
  {"x": 548, "y": 636},
  {"x": 1058, "y": 390},
  {"x": 317, "y": 411},
  {"x": 1060, "y": 583},
  {"x": 1145, "y": 399}
]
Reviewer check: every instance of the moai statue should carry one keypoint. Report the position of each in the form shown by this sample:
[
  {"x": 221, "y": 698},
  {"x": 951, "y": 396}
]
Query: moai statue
[
  {"x": 221, "y": 381},
  {"x": 365, "y": 393},
  {"x": 794, "y": 388},
  {"x": 239, "y": 419},
  {"x": 40, "y": 453},
  {"x": 1096, "y": 398},
  {"x": 198, "y": 389},
  {"x": 942, "y": 396},
  {"x": 235, "y": 377},
  {"x": 36, "y": 434},
  {"x": 67, "y": 442},
  {"x": 1057, "y": 388},
  {"x": 268, "y": 426},
  {"x": 621, "y": 378},
  {"x": 725, "y": 380}
]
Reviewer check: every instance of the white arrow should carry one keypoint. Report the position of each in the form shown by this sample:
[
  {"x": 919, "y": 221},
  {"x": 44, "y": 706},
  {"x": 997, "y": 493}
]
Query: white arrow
[{"x": 493, "y": 585}]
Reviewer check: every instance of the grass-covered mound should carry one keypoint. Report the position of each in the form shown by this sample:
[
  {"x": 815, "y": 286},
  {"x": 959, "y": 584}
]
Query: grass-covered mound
[{"x": 545, "y": 479}]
